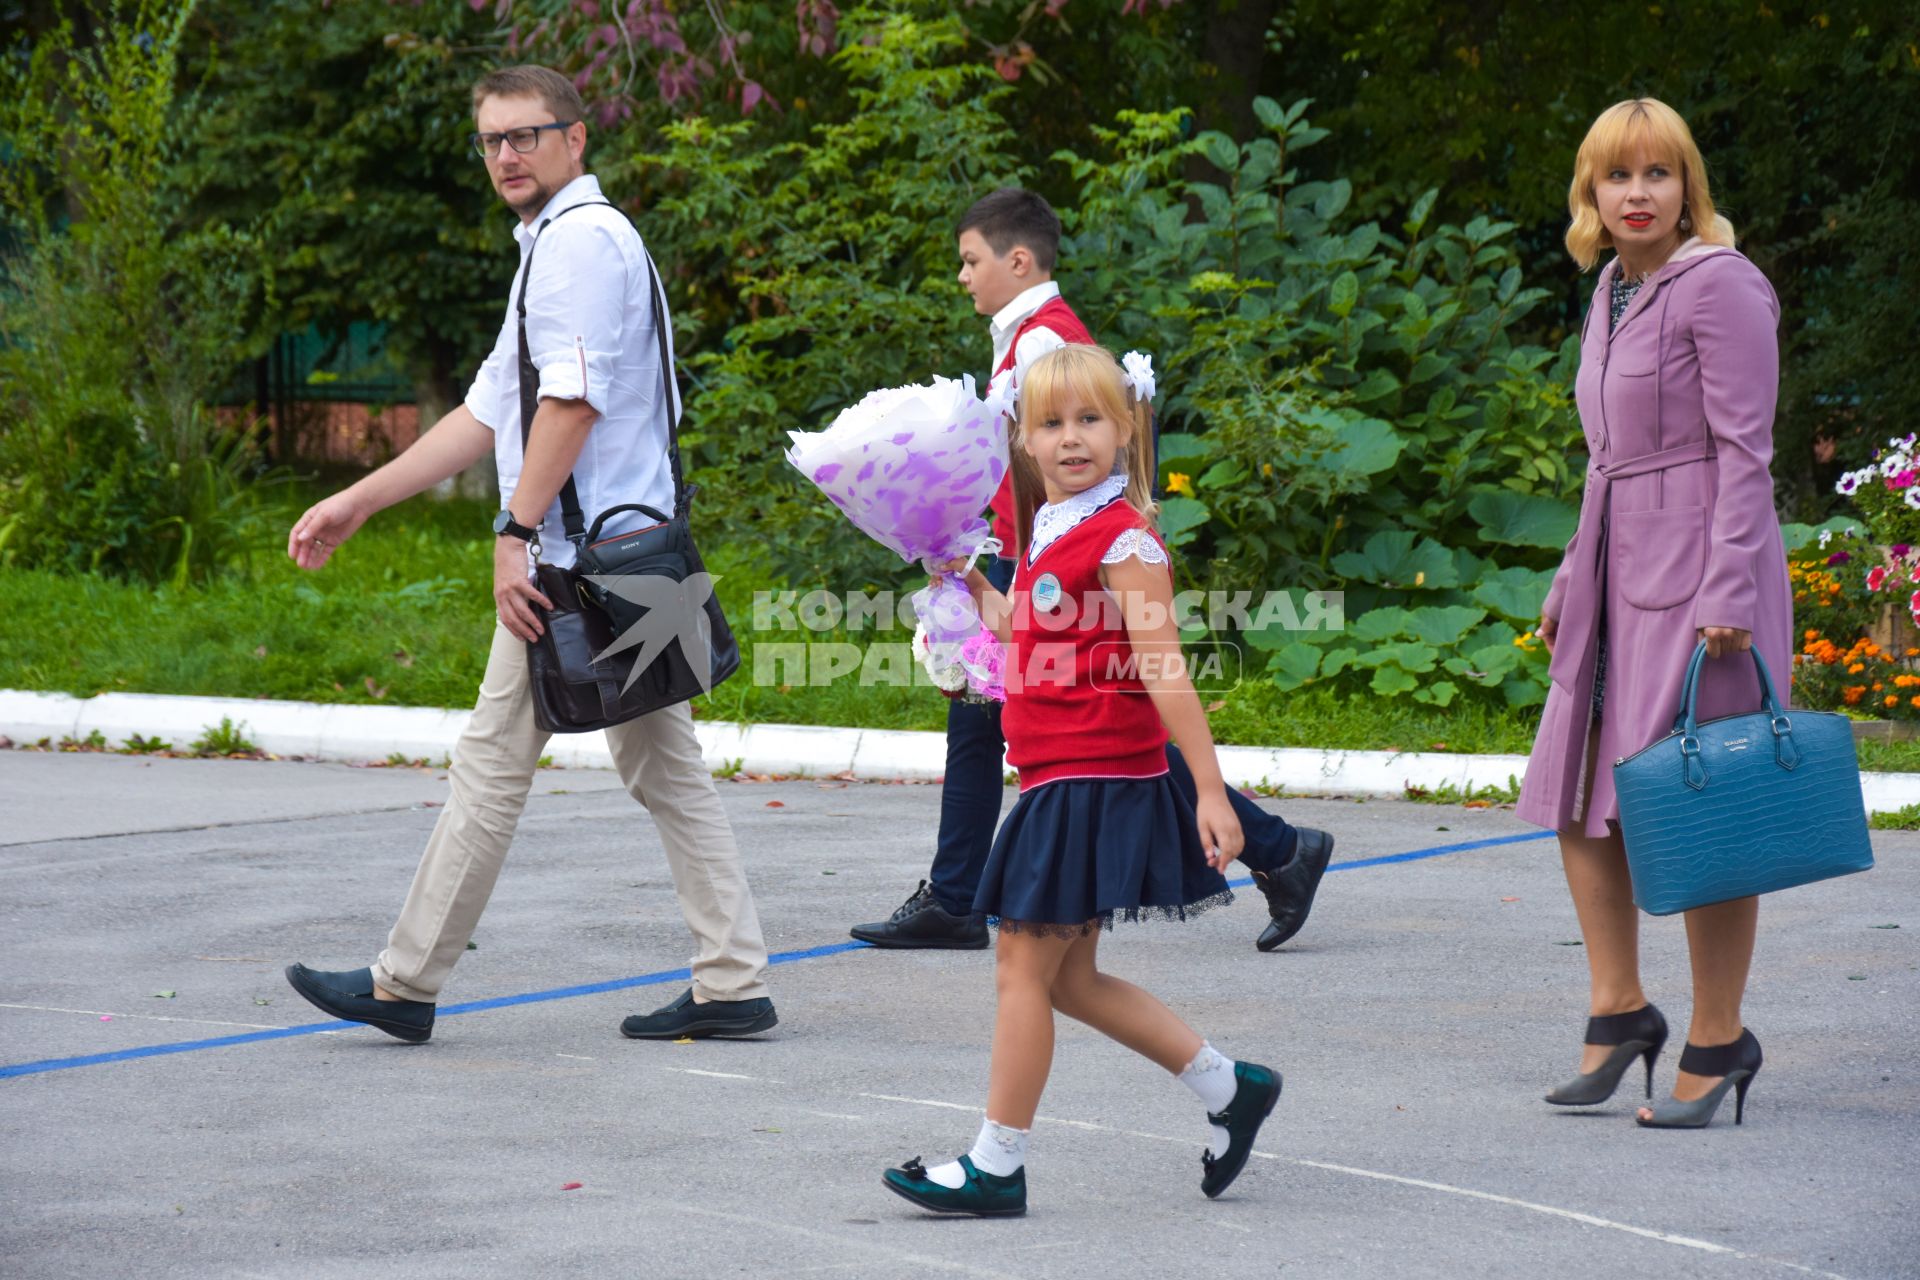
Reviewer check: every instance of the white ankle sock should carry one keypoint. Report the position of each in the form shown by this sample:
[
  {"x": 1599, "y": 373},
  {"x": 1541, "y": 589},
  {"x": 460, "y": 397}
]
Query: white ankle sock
[
  {"x": 999, "y": 1150},
  {"x": 1210, "y": 1076}
]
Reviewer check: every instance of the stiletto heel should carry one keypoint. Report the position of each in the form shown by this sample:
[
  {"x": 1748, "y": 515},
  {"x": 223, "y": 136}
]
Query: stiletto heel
[
  {"x": 1640, "y": 1034},
  {"x": 1736, "y": 1064}
]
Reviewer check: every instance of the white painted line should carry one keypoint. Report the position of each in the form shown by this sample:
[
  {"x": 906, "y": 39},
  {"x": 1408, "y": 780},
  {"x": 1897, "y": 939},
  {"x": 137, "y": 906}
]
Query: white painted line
[
  {"x": 144, "y": 1017},
  {"x": 919, "y": 1102},
  {"x": 714, "y": 1075},
  {"x": 854, "y": 1242},
  {"x": 577, "y": 1057},
  {"x": 830, "y": 1115},
  {"x": 1588, "y": 1219}
]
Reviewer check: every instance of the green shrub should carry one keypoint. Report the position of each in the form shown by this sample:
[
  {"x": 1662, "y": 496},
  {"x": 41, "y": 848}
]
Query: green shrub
[{"x": 120, "y": 314}]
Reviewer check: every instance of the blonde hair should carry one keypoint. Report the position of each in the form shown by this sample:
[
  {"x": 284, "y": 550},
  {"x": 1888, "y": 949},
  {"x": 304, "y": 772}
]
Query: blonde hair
[
  {"x": 1638, "y": 125},
  {"x": 1090, "y": 375}
]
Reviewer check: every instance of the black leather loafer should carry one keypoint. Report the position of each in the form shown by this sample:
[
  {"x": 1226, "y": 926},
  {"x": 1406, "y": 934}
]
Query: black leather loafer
[
  {"x": 686, "y": 1020},
  {"x": 348, "y": 995},
  {"x": 921, "y": 922},
  {"x": 1289, "y": 891}
]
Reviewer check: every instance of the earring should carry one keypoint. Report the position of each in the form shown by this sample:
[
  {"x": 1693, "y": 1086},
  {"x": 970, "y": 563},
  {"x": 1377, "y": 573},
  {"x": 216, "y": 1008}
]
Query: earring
[{"x": 1686, "y": 220}]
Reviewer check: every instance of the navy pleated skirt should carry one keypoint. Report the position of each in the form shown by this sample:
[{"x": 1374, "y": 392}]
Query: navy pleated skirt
[{"x": 1077, "y": 854}]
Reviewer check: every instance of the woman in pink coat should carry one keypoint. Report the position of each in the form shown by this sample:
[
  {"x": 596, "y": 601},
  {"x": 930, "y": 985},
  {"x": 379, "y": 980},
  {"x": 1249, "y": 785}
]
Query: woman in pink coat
[{"x": 1677, "y": 542}]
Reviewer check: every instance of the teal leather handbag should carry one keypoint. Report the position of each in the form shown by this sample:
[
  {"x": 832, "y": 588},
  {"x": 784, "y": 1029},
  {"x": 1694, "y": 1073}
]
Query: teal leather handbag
[{"x": 1742, "y": 804}]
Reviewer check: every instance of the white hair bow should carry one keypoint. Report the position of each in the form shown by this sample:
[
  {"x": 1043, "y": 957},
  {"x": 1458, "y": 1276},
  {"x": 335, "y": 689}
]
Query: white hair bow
[
  {"x": 1002, "y": 394},
  {"x": 1137, "y": 367}
]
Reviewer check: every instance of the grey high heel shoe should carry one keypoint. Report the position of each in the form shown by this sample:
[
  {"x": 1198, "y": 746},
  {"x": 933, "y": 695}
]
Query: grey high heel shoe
[
  {"x": 1639, "y": 1034},
  {"x": 1737, "y": 1064}
]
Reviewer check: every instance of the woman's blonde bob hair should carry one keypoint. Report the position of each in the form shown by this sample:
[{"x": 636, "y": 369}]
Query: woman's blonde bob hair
[
  {"x": 1624, "y": 130},
  {"x": 1090, "y": 376}
]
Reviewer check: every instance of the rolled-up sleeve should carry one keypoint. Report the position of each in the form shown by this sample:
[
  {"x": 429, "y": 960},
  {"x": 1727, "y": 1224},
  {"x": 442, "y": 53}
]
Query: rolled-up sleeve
[
  {"x": 1735, "y": 326},
  {"x": 575, "y": 304},
  {"x": 490, "y": 386}
]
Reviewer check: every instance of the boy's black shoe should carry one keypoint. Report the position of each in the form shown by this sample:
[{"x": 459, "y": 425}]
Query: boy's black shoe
[
  {"x": 686, "y": 1020},
  {"x": 985, "y": 1195},
  {"x": 922, "y": 922},
  {"x": 348, "y": 995},
  {"x": 1289, "y": 891},
  {"x": 1257, "y": 1089}
]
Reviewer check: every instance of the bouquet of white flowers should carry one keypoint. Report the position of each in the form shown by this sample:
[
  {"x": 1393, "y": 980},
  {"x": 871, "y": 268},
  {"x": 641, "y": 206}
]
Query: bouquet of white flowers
[{"x": 913, "y": 467}]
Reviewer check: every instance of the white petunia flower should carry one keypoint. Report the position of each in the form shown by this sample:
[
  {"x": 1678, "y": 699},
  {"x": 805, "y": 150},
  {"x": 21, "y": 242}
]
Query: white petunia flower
[{"x": 1912, "y": 498}]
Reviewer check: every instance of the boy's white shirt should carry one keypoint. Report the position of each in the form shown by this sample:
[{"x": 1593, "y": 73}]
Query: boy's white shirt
[{"x": 1034, "y": 344}]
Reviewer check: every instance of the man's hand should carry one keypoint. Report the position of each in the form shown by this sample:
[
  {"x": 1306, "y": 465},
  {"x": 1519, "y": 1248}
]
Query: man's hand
[
  {"x": 1722, "y": 641},
  {"x": 1220, "y": 833},
  {"x": 514, "y": 594},
  {"x": 326, "y": 525}
]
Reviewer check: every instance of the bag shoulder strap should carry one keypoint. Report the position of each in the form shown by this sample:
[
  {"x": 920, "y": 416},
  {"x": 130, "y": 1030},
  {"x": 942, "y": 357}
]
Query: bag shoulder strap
[{"x": 571, "y": 515}]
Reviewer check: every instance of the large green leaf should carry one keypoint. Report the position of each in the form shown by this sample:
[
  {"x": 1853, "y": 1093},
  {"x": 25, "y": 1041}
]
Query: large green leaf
[
  {"x": 1362, "y": 447},
  {"x": 1514, "y": 592},
  {"x": 1797, "y": 536},
  {"x": 1390, "y": 681},
  {"x": 1377, "y": 626},
  {"x": 1294, "y": 665},
  {"x": 1399, "y": 558},
  {"x": 1442, "y": 627},
  {"x": 1522, "y": 519},
  {"x": 1176, "y": 449},
  {"x": 1410, "y": 657},
  {"x": 1180, "y": 519}
]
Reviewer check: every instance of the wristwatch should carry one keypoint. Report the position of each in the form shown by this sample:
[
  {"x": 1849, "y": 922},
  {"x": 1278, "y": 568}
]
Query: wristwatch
[{"x": 505, "y": 526}]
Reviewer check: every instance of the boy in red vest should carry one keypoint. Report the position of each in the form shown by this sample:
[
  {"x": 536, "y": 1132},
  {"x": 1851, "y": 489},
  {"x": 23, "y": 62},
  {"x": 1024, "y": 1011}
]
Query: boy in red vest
[{"x": 1008, "y": 242}]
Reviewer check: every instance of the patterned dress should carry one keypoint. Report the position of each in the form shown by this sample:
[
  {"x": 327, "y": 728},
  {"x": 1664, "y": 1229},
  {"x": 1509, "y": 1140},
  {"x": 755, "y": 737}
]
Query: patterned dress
[{"x": 1617, "y": 304}]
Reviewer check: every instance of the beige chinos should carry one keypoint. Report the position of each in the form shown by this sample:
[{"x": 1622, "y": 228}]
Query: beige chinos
[{"x": 659, "y": 760}]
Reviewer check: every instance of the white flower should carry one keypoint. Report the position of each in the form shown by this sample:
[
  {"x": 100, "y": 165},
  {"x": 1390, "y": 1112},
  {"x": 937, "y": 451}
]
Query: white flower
[
  {"x": 1846, "y": 484},
  {"x": 1893, "y": 464},
  {"x": 950, "y": 677},
  {"x": 1912, "y": 498},
  {"x": 1138, "y": 366},
  {"x": 1826, "y": 535}
]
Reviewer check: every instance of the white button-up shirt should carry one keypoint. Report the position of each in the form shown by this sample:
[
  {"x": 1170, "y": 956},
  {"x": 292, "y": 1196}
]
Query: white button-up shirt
[
  {"x": 590, "y": 329},
  {"x": 1007, "y": 321}
]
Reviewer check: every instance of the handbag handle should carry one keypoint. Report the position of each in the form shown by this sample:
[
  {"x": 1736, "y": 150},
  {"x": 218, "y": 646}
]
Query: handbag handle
[
  {"x": 593, "y": 534},
  {"x": 1687, "y": 723}
]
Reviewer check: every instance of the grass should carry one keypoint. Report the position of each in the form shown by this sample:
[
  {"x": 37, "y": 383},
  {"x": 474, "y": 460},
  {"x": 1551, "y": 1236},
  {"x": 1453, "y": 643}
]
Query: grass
[{"x": 403, "y": 615}]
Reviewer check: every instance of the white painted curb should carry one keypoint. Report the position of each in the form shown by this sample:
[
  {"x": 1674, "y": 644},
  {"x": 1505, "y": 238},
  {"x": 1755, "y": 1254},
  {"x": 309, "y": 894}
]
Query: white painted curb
[{"x": 357, "y": 734}]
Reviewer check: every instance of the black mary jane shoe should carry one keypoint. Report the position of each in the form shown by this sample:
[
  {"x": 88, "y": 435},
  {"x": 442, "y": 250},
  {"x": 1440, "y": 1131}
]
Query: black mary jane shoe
[
  {"x": 1257, "y": 1089},
  {"x": 985, "y": 1195}
]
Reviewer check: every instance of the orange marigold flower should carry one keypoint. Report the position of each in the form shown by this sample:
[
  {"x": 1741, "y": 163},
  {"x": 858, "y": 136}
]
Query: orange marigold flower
[
  {"x": 1815, "y": 635},
  {"x": 1892, "y": 701},
  {"x": 1854, "y": 669},
  {"x": 1853, "y": 695}
]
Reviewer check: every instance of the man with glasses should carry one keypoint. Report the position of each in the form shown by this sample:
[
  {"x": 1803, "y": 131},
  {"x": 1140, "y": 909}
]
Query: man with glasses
[{"x": 603, "y": 419}]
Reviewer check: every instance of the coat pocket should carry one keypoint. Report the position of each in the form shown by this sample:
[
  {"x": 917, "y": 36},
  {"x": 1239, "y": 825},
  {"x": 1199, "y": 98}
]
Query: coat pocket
[{"x": 1660, "y": 555}]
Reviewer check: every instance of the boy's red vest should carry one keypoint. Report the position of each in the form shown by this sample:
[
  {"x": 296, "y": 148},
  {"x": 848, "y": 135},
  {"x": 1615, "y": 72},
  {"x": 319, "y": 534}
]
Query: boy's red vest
[
  {"x": 1056, "y": 315},
  {"x": 1076, "y": 707}
]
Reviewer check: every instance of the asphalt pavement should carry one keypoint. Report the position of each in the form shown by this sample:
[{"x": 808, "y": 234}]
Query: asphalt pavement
[{"x": 171, "y": 1108}]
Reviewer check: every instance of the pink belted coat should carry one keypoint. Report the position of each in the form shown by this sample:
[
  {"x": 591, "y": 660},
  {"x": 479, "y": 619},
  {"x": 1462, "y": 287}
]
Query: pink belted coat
[{"x": 1677, "y": 525}]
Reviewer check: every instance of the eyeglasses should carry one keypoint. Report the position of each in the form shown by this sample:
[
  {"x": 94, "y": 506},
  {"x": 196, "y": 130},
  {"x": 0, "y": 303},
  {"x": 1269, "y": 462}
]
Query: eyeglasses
[{"x": 487, "y": 145}]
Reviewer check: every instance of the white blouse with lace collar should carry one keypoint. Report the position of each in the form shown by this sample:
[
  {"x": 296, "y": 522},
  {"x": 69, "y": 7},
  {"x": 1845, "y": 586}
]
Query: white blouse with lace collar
[{"x": 1054, "y": 519}]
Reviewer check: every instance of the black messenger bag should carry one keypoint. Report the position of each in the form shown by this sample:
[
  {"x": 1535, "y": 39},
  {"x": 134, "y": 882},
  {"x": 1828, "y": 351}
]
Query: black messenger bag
[{"x": 645, "y": 593}]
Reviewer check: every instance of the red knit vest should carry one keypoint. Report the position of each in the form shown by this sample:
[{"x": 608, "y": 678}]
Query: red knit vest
[
  {"x": 1076, "y": 707},
  {"x": 1056, "y": 315}
]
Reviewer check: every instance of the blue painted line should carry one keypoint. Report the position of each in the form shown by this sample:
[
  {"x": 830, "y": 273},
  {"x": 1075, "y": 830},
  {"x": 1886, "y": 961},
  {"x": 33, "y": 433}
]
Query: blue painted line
[
  {"x": 619, "y": 984},
  {"x": 471, "y": 1006},
  {"x": 1416, "y": 855}
]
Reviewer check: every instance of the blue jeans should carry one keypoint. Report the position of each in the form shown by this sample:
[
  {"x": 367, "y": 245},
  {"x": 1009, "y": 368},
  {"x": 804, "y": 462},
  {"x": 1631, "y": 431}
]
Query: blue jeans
[{"x": 975, "y": 784}]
